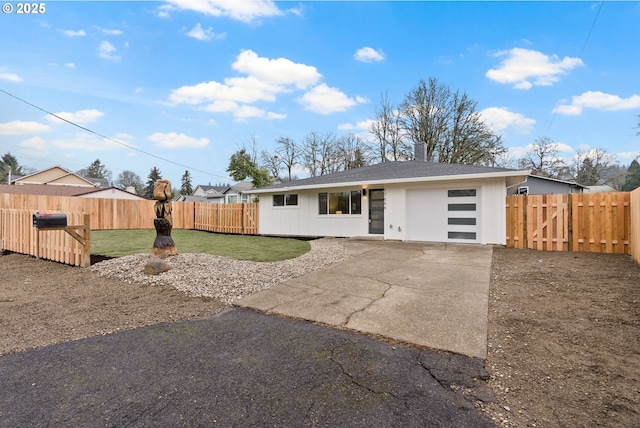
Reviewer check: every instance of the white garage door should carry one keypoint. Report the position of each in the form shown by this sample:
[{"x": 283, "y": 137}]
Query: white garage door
[{"x": 443, "y": 215}]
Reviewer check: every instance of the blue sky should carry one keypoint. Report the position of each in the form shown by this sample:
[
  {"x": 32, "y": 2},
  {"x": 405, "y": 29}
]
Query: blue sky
[{"x": 192, "y": 81}]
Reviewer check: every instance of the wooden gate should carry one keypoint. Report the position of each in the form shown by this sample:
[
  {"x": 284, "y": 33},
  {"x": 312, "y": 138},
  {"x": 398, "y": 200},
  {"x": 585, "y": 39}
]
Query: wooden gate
[{"x": 591, "y": 222}]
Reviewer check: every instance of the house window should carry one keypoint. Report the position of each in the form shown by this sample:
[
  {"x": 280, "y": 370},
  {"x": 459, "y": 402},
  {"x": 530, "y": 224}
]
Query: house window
[
  {"x": 461, "y": 193},
  {"x": 285, "y": 200},
  {"x": 340, "y": 202},
  {"x": 524, "y": 190},
  {"x": 462, "y": 207},
  {"x": 233, "y": 199}
]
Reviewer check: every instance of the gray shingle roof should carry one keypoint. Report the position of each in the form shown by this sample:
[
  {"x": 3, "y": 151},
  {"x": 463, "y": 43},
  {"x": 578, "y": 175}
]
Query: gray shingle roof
[{"x": 392, "y": 171}]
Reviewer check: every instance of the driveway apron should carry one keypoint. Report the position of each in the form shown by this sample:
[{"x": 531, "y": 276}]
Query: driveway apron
[{"x": 428, "y": 294}]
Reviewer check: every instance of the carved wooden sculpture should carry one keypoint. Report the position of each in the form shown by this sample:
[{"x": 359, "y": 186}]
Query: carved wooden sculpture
[{"x": 163, "y": 246}]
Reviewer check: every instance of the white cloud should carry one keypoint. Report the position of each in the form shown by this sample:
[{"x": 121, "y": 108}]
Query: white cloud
[
  {"x": 81, "y": 117},
  {"x": 35, "y": 145},
  {"x": 173, "y": 140},
  {"x": 628, "y": 156},
  {"x": 501, "y": 119},
  {"x": 367, "y": 54},
  {"x": 110, "y": 32},
  {"x": 280, "y": 71},
  {"x": 74, "y": 33},
  {"x": 245, "y": 11},
  {"x": 325, "y": 100},
  {"x": 363, "y": 125},
  {"x": 20, "y": 127},
  {"x": 70, "y": 65},
  {"x": 86, "y": 142},
  {"x": 246, "y": 112},
  {"x": 598, "y": 101},
  {"x": 525, "y": 68},
  {"x": 237, "y": 89},
  {"x": 107, "y": 51},
  {"x": 266, "y": 79},
  {"x": 11, "y": 77},
  {"x": 200, "y": 33}
]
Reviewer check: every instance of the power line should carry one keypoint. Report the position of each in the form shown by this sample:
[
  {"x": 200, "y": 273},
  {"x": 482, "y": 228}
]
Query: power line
[
  {"x": 109, "y": 138},
  {"x": 584, "y": 46}
]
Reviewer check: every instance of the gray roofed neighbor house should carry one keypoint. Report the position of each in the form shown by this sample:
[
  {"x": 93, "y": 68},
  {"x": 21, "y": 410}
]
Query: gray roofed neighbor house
[{"x": 395, "y": 171}]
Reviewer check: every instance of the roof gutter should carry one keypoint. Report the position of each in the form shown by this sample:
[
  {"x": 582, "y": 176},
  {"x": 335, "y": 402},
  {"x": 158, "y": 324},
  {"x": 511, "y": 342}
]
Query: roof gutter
[{"x": 518, "y": 174}]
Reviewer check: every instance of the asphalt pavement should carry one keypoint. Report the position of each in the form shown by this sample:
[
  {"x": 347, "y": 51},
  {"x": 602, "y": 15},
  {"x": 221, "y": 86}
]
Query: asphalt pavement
[{"x": 240, "y": 368}]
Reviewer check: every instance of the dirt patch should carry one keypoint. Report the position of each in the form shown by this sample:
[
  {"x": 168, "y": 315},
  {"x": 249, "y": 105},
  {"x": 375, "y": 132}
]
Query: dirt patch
[
  {"x": 564, "y": 328},
  {"x": 43, "y": 302},
  {"x": 564, "y": 339}
]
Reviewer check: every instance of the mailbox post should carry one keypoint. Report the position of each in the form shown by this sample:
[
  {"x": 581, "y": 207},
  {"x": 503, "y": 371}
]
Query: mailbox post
[{"x": 45, "y": 222}]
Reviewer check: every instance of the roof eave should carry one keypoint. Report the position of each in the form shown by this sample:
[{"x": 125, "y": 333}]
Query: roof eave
[{"x": 517, "y": 174}]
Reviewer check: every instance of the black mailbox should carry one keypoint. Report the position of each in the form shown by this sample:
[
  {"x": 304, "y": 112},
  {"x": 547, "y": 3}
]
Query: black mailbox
[{"x": 49, "y": 220}]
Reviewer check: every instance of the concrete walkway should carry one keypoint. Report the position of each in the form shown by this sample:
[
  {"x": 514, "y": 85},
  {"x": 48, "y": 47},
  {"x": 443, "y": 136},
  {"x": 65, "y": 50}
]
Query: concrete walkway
[{"x": 428, "y": 294}]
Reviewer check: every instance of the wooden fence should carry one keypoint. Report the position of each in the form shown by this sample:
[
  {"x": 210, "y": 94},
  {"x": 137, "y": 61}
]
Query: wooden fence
[
  {"x": 589, "y": 222},
  {"x": 17, "y": 234},
  {"x": 106, "y": 214},
  {"x": 227, "y": 218},
  {"x": 635, "y": 224}
]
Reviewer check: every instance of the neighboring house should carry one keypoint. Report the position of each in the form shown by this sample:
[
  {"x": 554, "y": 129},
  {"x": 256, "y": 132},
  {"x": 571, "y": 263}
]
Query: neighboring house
[
  {"x": 538, "y": 185},
  {"x": 78, "y": 191},
  {"x": 58, "y": 181},
  {"x": 54, "y": 176},
  {"x": 408, "y": 201},
  {"x": 599, "y": 189},
  {"x": 239, "y": 192}
]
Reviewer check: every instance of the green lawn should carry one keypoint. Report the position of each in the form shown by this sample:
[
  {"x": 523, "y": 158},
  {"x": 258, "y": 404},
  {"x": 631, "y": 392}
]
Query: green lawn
[{"x": 118, "y": 243}]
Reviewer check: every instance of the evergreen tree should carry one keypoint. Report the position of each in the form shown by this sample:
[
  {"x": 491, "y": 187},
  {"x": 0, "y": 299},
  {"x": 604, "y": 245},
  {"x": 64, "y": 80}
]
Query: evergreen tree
[
  {"x": 154, "y": 175},
  {"x": 632, "y": 180},
  {"x": 186, "y": 189},
  {"x": 10, "y": 162},
  {"x": 96, "y": 170}
]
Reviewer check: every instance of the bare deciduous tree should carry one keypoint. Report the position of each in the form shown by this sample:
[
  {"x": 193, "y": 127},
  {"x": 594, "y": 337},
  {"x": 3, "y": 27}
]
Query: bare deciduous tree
[
  {"x": 449, "y": 125},
  {"x": 592, "y": 167},
  {"x": 319, "y": 154},
  {"x": 387, "y": 130},
  {"x": 353, "y": 152},
  {"x": 542, "y": 159}
]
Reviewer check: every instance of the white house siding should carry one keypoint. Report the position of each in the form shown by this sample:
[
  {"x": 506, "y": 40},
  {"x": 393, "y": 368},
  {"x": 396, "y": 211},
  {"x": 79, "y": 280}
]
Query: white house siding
[
  {"x": 420, "y": 211},
  {"x": 407, "y": 216},
  {"x": 493, "y": 212},
  {"x": 304, "y": 220}
]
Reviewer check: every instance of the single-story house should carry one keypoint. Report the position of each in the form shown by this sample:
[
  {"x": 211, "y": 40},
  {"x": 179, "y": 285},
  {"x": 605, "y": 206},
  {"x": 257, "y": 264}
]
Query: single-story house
[
  {"x": 239, "y": 192},
  {"x": 54, "y": 176},
  {"x": 604, "y": 188},
  {"x": 77, "y": 191},
  {"x": 58, "y": 181},
  {"x": 538, "y": 185},
  {"x": 409, "y": 201}
]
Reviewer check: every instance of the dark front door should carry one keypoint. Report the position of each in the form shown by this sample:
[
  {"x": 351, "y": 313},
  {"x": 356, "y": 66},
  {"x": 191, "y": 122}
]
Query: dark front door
[{"x": 376, "y": 211}]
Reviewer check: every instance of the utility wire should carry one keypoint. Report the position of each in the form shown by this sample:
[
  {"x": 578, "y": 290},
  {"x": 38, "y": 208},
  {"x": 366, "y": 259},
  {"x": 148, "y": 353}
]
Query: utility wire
[
  {"x": 108, "y": 138},
  {"x": 584, "y": 46}
]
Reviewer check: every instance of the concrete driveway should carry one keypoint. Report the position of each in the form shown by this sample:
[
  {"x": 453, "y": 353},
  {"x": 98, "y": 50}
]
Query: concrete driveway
[{"x": 428, "y": 294}]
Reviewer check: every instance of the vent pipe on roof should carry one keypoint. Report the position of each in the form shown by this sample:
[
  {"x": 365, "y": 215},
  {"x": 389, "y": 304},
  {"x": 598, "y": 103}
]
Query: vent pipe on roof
[{"x": 420, "y": 151}]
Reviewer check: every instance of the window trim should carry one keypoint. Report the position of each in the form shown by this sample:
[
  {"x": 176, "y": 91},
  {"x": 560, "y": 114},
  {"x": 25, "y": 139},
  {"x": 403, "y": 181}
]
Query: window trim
[
  {"x": 286, "y": 198},
  {"x": 324, "y": 203}
]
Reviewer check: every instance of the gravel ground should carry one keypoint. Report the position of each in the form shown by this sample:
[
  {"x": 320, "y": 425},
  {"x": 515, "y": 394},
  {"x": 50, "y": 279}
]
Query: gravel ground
[{"x": 222, "y": 278}]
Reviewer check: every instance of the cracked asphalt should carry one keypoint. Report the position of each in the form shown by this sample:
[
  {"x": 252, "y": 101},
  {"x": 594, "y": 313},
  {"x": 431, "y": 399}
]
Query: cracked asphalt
[{"x": 240, "y": 368}]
